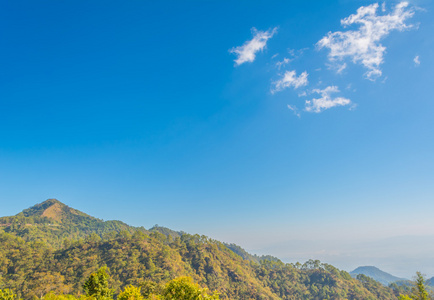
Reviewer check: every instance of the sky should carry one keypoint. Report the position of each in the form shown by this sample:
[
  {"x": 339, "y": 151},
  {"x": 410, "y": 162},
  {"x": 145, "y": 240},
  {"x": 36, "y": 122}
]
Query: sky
[{"x": 300, "y": 129}]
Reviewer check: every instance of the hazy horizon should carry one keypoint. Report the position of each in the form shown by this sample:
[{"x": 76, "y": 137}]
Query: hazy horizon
[{"x": 401, "y": 255}]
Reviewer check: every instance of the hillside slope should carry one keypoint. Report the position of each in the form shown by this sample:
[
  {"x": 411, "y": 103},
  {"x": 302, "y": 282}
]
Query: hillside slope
[
  {"x": 135, "y": 256},
  {"x": 33, "y": 269},
  {"x": 52, "y": 222}
]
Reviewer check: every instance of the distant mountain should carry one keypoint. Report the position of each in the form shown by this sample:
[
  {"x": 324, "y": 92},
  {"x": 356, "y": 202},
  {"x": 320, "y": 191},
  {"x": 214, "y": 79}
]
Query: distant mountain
[
  {"x": 430, "y": 282},
  {"x": 376, "y": 274}
]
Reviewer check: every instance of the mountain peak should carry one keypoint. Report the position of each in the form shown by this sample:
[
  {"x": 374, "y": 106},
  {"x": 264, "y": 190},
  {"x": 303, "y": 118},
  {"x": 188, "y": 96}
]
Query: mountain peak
[
  {"x": 52, "y": 209},
  {"x": 377, "y": 274},
  {"x": 364, "y": 268},
  {"x": 54, "y": 221},
  {"x": 39, "y": 208},
  {"x": 52, "y": 201}
]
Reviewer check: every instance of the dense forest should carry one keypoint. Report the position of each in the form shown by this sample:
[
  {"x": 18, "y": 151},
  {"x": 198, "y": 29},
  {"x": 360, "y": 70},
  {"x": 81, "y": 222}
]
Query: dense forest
[{"x": 51, "y": 249}]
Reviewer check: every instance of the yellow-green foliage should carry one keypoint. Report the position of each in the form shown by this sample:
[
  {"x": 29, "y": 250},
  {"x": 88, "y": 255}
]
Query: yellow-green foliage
[
  {"x": 184, "y": 288},
  {"x": 130, "y": 293},
  {"x": 150, "y": 261},
  {"x": 418, "y": 290},
  {"x": 97, "y": 285},
  {"x": 7, "y": 294},
  {"x": 52, "y": 296}
]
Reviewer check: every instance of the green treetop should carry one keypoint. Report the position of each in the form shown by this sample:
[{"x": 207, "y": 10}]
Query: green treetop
[
  {"x": 7, "y": 294},
  {"x": 97, "y": 285},
  {"x": 183, "y": 288}
]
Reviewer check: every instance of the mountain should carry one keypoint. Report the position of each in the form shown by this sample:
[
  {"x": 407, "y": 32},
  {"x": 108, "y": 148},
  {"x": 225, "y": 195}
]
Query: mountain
[
  {"x": 51, "y": 247},
  {"x": 55, "y": 210},
  {"x": 430, "y": 282},
  {"x": 376, "y": 274},
  {"x": 53, "y": 222}
]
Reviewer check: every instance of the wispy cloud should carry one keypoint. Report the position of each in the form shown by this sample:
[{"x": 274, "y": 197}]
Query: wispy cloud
[
  {"x": 341, "y": 68},
  {"x": 326, "y": 101},
  {"x": 416, "y": 60},
  {"x": 290, "y": 79},
  {"x": 283, "y": 62},
  {"x": 247, "y": 52},
  {"x": 363, "y": 45},
  {"x": 294, "y": 110},
  {"x": 297, "y": 53}
]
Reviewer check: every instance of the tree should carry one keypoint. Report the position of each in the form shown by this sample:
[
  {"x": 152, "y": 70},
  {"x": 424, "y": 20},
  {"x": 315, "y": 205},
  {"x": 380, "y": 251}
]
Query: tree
[
  {"x": 183, "y": 288},
  {"x": 97, "y": 285},
  {"x": 419, "y": 291},
  {"x": 130, "y": 293},
  {"x": 7, "y": 294},
  {"x": 52, "y": 296}
]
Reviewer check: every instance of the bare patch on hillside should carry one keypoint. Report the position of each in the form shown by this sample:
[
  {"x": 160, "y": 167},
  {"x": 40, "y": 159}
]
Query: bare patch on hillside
[{"x": 54, "y": 212}]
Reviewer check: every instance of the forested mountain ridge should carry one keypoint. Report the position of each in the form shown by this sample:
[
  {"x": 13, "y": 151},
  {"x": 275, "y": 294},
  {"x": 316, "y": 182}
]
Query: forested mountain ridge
[
  {"x": 252, "y": 257},
  {"x": 55, "y": 210},
  {"x": 32, "y": 268},
  {"x": 53, "y": 222}
]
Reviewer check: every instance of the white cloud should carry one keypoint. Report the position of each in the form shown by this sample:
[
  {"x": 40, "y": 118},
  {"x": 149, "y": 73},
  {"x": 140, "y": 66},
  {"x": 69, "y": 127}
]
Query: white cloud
[
  {"x": 326, "y": 101},
  {"x": 290, "y": 79},
  {"x": 363, "y": 45},
  {"x": 285, "y": 61},
  {"x": 294, "y": 110},
  {"x": 247, "y": 52},
  {"x": 341, "y": 68},
  {"x": 302, "y": 94},
  {"x": 297, "y": 53},
  {"x": 416, "y": 60}
]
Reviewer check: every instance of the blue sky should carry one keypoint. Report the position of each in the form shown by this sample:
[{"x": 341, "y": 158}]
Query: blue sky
[{"x": 294, "y": 128}]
